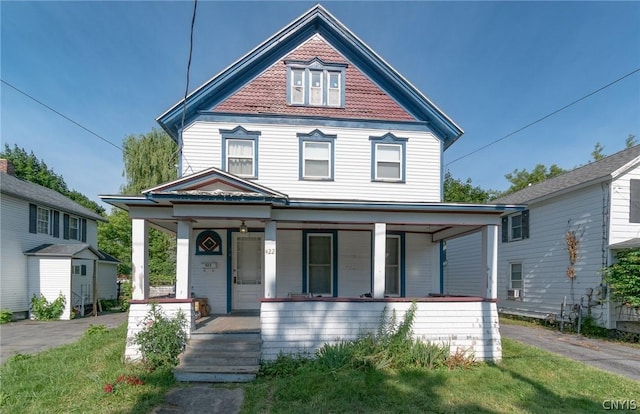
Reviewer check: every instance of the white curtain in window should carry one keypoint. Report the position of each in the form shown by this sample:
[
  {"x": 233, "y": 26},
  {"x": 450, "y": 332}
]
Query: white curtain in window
[
  {"x": 388, "y": 160},
  {"x": 317, "y": 156},
  {"x": 240, "y": 157}
]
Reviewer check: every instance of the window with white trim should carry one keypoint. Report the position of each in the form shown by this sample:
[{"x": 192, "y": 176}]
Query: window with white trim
[
  {"x": 43, "y": 220},
  {"x": 315, "y": 83},
  {"x": 388, "y": 155},
  {"x": 515, "y": 275},
  {"x": 79, "y": 270},
  {"x": 320, "y": 264},
  {"x": 74, "y": 228},
  {"x": 515, "y": 226},
  {"x": 392, "y": 266}
]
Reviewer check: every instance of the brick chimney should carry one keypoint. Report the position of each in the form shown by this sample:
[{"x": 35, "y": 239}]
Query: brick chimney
[{"x": 7, "y": 167}]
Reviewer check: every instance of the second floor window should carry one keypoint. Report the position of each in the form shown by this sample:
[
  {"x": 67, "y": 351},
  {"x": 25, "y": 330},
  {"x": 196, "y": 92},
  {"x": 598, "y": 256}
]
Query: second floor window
[
  {"x": 316, "y": 155},
  {"x": 388, "y": 158},
  {"x": 240, "y": 151},
  {"x": 43, "y": 220},
  {"x": 515, "y": 226},
  {"x": 241, "y": 157}
]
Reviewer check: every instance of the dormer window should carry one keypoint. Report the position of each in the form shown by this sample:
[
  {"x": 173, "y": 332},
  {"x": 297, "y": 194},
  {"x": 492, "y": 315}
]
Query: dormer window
[{"x": 315, "y": 83}]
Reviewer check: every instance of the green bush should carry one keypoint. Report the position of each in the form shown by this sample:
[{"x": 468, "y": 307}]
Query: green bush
[
  {"x": 6, "y": 316},
  {"x": 42, "y": 310},
  {"x": 162, "y": 338},
  {"x": 125, "y": 295},
  {"x": 623, "y": 278},
  {"x": 96, "y": 330}
]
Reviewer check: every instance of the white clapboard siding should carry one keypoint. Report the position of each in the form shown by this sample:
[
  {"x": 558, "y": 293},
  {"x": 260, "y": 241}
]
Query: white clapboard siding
[
  {"x": 137, "y": 314},
  {"x": 463, "y": 273},
  {"x": 304, "y": 326},
  {"x": 208, "y": 282},
  {"x": 420, "y": 266},
  {"x": 278, "y": 165},
  {"x": 621, "y": 228},
  {"x": 288, "y": 262},
  {"x": 354, "y": 263},
  {"x": 544, "y": 255},
  {"x": 15, "y": 239},
  {"x": 82, "y": 286},
  {"x": 50, "y": 277}
]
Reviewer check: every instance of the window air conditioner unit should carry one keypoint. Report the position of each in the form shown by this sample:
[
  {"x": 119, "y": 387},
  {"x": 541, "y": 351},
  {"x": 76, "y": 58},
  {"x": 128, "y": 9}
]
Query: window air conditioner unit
[{"x": 513, "y": 294}]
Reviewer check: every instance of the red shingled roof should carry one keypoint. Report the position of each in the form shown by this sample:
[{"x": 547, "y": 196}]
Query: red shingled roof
[{"x": 268, "y": 92}]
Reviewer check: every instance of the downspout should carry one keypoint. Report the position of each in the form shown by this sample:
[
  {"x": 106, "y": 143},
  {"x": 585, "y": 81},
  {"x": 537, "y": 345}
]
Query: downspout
[{"x": 95, "y": 288}]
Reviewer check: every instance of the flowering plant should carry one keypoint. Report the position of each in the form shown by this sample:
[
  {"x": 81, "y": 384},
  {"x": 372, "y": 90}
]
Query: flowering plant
[
  {"x": 122, "y": 379},
  {"x": 161, "y": 338}
]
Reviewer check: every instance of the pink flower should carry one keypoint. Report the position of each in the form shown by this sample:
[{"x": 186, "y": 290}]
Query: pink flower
[{"x": 108, "y": 388}]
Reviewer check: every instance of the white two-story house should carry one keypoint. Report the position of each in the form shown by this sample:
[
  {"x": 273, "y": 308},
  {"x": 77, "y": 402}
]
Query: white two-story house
[
  {"x": 49, "y": 246},
  {"x": 310, "y": 192}
]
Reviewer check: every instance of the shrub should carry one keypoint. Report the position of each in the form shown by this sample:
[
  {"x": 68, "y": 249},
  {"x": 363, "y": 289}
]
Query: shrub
[
  {"x": 6, "y": 316},
  {"x": 125, "y": 295},
  {"x": 96, "y": 330},
  {"x": 162, "y": 338},
  {"x": 42, "y": 310},
  {"x": 624, "y": 278}
]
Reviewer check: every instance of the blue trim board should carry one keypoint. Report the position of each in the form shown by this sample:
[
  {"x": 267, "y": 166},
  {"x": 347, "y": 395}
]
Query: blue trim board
[
  {"x": 334, "y": 234},
  {"x": 316, "y": 136},
  {"x": 316, "y": 20},
  {"x": 443, "y": 257}
]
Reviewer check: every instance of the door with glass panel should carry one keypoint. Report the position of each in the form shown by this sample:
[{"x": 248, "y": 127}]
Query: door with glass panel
[
  {"x": 247, "y": 271},
  {"x": 320, "y": 264}
]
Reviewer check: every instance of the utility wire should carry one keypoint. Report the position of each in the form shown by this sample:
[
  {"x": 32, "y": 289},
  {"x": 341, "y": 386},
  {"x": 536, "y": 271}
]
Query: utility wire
[
  {"x": 186, "y": 89},
  {"x": 61, "y": 114},
  {"x": 544, "y": 117}
]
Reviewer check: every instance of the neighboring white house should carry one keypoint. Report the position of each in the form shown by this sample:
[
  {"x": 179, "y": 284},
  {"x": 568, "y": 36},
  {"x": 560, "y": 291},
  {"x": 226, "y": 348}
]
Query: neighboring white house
[
  {"x": 310, "y": 191},
  {"x": 48, "y": 246},
  {"x": 599, "y": 203}
]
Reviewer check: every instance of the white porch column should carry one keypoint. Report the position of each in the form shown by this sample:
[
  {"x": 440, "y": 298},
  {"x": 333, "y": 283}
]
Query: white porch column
[
  {"x": 379, "y": 259},
  {"x": 139, "y": 259},
  {"x": 183, "y": 255},
  {"x": 270, "y": 230},
  {"x": 490, "y": 259}
]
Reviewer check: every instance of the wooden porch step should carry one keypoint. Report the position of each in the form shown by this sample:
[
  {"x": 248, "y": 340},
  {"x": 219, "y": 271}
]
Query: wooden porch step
[{"x": 220, "y": 357}]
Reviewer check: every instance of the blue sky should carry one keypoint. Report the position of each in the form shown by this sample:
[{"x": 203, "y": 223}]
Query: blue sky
[{"x": 493, "y": 67}]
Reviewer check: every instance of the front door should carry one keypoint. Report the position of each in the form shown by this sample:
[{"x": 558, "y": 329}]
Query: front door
[{"x": 247, "y": 270}]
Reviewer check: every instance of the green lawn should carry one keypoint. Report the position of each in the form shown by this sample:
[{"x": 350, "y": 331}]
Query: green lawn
[{"x": 72, "y": 378}]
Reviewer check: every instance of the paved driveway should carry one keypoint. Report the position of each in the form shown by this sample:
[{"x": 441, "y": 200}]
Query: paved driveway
[
  {"x": 609, "y": 356},
  {"x": 30, "y": 337}
]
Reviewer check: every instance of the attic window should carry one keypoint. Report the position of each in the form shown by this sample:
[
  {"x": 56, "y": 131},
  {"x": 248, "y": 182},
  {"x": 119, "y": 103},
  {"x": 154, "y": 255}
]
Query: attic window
[{"x": 315, "y": 83}]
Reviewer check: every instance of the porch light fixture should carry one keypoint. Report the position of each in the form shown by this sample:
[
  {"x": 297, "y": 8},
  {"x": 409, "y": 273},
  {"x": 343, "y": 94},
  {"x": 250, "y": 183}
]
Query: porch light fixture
[{"x": 243, "y": 227}]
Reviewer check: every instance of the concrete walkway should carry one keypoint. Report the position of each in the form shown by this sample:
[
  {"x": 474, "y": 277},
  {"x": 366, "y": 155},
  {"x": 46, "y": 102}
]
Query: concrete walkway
[
  {"x": 30, "y": 337},
  {"x": 609, "y": 356}
]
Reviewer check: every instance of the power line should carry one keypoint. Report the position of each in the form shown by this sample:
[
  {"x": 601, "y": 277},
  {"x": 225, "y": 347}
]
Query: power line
[
  {"x": 544, "y": 117},
  {"x": 61, "y": 114},
  {"x": 186, "y": 89}
]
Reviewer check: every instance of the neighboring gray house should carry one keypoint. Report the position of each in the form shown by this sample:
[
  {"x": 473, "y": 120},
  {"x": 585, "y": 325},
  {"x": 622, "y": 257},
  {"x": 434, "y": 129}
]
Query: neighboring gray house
[
  {"x": 599, "y": 203},
  {"x": 49, "y": 245}
]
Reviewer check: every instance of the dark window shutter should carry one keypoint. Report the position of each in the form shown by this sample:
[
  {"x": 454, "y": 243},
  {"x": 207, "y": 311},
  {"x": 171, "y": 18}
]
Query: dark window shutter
[
  {"x": 505, "y": 229},
  {"x": 65, "y": 227},
  {"x": 33, "y": 218},
  {"x": 56, "y": 224},
  {"x": 83, "y": 228},
  {"x": 525, "y": 224},
  {"x": 634, "y": 197},
  {"x": 83, "y": 270}
]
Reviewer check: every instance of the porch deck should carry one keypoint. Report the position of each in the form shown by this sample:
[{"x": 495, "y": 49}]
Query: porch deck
[{"x": 246, "y": 322}]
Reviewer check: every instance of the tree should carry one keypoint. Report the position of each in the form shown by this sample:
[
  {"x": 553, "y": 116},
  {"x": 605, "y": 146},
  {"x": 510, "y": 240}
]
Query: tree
[
  {"x": 520, "y": 179},
  {"x": 458, "y": 191},
  {"x": 28, "y": 167},
  {"x": 597, "y": 153},
  {"x": 149, "y": 160},
  {"x": 630, "y": 141}
]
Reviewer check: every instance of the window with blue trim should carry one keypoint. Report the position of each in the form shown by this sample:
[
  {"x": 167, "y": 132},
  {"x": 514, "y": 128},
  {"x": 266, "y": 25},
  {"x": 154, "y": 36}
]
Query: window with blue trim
[
  {"x": 316, "y": 156},
  {"x": 392, "y": 266},
  {"x": 240, "y": 152},
  {"x": 315, "y": 83},
  {"x": 388, "y": 158},
  {"x": 319, "y": 263}
]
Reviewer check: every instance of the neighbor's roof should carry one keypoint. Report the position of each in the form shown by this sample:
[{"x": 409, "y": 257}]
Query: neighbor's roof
[
  {"x": 606, "y": 168},
  {"x": 64, "y": 250},
  {"x": 38, "y": 194},
  {"x": 315, "y": 20}
]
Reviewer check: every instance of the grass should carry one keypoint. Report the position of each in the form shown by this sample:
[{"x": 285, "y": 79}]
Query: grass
[
  {"x": 528, "y": 380},
  {"x": 71, "y": 379}
]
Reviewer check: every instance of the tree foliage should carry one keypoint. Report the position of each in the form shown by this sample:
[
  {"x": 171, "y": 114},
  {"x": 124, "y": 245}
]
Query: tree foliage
[
  {"x": 28, "y": 167},
  {"x": 458, "y": 191},
  {"x": 520, "y": 179},
  {"x": 597, "y": 152},
  {"x": 149, "y": 160},
  {"x": 623, "y": 278},
  {"x": 630, "y": 141}
]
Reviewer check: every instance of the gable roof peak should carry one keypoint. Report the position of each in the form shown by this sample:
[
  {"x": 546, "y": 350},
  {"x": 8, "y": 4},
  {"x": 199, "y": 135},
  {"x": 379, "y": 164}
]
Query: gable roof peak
[{"x": 316, "y": 21}]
